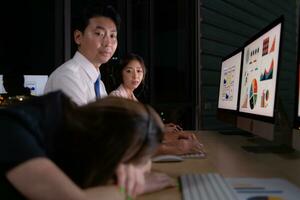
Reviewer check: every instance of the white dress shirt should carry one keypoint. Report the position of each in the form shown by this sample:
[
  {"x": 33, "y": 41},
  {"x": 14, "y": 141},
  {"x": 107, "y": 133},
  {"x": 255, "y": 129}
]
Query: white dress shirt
[{"x": 76, "y": 78}]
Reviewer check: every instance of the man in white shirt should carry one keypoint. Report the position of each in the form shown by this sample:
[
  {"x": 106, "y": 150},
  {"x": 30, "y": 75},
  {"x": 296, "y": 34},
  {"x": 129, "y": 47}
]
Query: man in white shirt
[{"x": 96, "y": 38}]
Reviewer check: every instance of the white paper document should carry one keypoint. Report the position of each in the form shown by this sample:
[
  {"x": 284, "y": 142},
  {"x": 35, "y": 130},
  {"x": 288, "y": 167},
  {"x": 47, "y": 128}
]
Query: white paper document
[{"x": 264, "y": 189}]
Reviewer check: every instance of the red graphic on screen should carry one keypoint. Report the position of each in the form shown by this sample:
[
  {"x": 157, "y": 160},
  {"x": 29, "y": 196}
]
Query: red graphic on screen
[
  {"x": 253, "y": 94},
  {"x": 268, "y": 73},
  {"x": 273, "y": 45},
  {"x": 265, "y": 46}
]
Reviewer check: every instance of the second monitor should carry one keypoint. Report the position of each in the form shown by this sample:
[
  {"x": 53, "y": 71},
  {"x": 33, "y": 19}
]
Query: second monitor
[
  {"x": 36, "y": 84},
  {"x": 259, "y": 84},
  {"x": 229, "y": 87}
]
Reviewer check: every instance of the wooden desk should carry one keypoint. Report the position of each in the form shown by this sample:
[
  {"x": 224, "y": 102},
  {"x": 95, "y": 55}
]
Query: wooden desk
[{"x": 225, "y": 156}]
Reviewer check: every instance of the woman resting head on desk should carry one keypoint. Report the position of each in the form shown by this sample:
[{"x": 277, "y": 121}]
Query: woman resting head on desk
[
  {"x": 130, "y": 75},
  {"x": 53, "y": 149}
]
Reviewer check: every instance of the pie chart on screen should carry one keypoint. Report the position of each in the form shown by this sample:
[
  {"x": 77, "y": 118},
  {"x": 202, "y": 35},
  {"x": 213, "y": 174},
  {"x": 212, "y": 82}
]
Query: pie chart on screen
[
  {"x": 265, "y": 198},
  {"x": 253, "y": 93}
]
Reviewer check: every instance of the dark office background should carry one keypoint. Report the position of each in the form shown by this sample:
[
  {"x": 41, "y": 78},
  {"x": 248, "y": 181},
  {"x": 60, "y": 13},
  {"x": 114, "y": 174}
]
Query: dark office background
[{"x": 182, "y": 42}]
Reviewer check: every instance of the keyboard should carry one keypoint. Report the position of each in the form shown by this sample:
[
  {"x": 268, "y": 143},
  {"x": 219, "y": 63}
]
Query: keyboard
[
  {"x": 194, "y": 155},
  {"x": 210, "y": 186}
]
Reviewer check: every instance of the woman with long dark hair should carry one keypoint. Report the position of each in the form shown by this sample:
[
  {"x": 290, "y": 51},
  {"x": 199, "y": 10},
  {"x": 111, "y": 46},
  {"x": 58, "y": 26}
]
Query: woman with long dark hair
[
  {"x": 51, "y": 148},
  {"x": 131, "y": 75}
]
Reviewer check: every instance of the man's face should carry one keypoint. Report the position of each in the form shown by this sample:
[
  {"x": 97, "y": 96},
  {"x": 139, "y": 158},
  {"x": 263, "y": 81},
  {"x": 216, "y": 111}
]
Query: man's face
[{"x": 99, "y": 41}]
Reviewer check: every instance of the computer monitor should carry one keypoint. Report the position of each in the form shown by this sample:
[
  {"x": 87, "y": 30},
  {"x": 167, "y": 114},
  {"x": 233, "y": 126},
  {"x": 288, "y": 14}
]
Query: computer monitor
[
  {"x": 296, "y": 129},
  {"x": 257, "y": 101},
  {"x": 36, "y": 84},
  {"x": 229, "y": 87}
]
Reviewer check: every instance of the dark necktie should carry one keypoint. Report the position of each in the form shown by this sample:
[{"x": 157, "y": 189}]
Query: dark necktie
[{"x": 97, "y": 87}]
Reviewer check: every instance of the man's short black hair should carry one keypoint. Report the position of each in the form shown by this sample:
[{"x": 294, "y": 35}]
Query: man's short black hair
[{"x": 97, "y": 10}]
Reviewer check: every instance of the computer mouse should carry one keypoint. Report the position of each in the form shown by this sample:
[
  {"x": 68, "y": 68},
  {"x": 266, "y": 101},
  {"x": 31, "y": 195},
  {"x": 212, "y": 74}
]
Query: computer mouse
[{"x": 167, "y": 158}]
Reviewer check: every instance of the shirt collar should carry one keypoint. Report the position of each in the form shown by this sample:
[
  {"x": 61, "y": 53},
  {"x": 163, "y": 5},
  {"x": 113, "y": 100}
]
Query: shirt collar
[{"x": 87, "y": 66}]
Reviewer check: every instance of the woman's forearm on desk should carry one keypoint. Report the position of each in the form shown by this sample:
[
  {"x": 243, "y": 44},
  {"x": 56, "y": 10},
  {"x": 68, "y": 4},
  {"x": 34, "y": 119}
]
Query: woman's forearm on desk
[
  {"x": 41, "y": 179},
  {"x": 105, "y": 192}
]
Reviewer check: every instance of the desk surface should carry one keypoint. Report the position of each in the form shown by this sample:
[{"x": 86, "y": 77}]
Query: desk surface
[{"x": 225, "y": 156}]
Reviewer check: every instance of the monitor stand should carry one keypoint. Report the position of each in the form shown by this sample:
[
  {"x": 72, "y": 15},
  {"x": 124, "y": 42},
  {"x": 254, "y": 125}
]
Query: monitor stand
[
  {"x": 261, "y": 145},
  {"x": 236, "y": 132},
  {"x": 278, "y": 149}
]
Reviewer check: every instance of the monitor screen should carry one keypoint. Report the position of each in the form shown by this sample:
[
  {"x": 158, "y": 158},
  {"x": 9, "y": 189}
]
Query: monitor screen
[
  {"x": 229, "y": 81},
  {"x": 298, "y": 87},
  {"x": 296, "y": 130},
  {"x": 259, "y": 74},
  {"x": 36, "y": 84}
]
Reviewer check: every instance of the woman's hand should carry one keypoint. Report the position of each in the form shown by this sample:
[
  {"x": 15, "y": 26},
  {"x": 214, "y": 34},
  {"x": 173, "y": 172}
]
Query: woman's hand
[
  {"x": 180, "y": 143},
  {"x": 181, "y": 146},
  {"x": 155, "y": 181},
  {"x": 195, "y": 143},
  {"x": 187, "y": 146},
  {"x": 131, "y": 178},
  {"x": 172, "y": 128}
]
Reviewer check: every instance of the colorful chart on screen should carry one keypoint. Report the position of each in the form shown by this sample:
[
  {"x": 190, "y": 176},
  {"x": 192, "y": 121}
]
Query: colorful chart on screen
[
  {"x": 259, "y": 74},
  {"x": 229, "y": 82},
  {"x": 253, "y": 94}
]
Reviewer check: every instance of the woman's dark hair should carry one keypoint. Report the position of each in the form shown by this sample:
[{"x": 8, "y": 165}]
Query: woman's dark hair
[
  {"x": 124, "y": 62},
  {"x": 96, "y": 10},
  {"x": 101, "y": 135}
]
